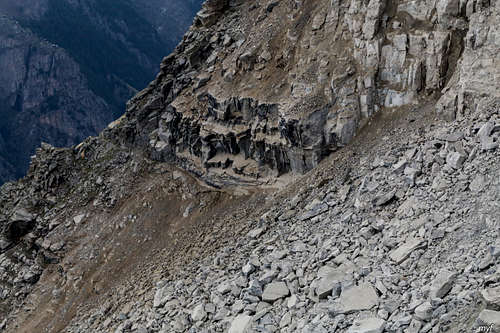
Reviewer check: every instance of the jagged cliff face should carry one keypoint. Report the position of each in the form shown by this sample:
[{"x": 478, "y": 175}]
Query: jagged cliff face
[
  {"x": 170, "y": 18},
  {"x": 107, "y": 236},
  {"x": 258, "y": 90},
  {"x": 69, "y": 67}
]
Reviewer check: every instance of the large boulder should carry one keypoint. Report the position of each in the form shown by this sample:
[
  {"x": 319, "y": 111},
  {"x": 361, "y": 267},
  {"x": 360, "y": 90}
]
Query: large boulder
[
  {"x": 211, "y": 11},
  {"x": 20, "y": 223}
]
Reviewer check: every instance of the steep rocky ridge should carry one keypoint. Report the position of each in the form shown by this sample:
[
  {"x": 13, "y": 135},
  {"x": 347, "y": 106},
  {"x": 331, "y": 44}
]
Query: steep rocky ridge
[
  {"x": 86, "y": 58},
  {"x": 394, "y": 228},
  {"x": 280, "y": 94}
]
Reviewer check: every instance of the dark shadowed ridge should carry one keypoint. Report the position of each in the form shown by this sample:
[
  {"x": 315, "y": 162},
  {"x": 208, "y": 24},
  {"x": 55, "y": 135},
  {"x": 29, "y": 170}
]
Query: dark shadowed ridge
[{"x": 69, "y": 67}]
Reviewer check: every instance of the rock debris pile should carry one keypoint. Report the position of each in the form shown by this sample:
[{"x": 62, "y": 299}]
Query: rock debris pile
[
  {"x": 408, "y": 242},
  {"x": 285, "y": 171}
]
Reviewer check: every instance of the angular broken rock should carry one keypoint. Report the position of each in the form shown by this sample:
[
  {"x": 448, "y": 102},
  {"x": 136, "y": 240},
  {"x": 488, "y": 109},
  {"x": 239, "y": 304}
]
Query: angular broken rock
[
  {"x": 368, "y": 325},
  {"x": 424, "y": 311},
  {"x": 292, "y": 301},
  {"x": 442, "y": 284},
  {"x": 318, "y": 21},
  {"x": 4, "y": 243},
  {"x": 495, "y": 249},
  {"x": 330, "y": 280},
  {"x": 78, "y": 219},
  {"x": 255, "y": 233},
  {"x": 160, "y": 298},
  {"x": 455, "y": 160},
  {"x": 478, "y": 183},
  {"x": 275, "y": 291},
  {"x": 199, "y": 313},
  {"x": 401, "y": 253},
  {"x": 241, "y": 324},
  {"x": 314, "y": 211},
  {"x": 492, "y": 298},
  {"x": 357, "y": 298},
  {"x": 328, "y": 287},
  {"x": 224, "y": 288},
  {"x": 21, "y": 222},
  {"x": 488, "y": 143},
  {"x": 451, "y": 137},
  {"x": 414, "y": 326},
  {"x": 400, "y": 166},
  {"x": 248, "y": 269},
  {"x": 286, "y": 320},
  {"x": 486, "y": 129},
  {"x": 489, "y": 319},
  {"x": 22, "y": 215},
  {"x": 255, "y": 289},
  {"x": 384, "y": 199}
]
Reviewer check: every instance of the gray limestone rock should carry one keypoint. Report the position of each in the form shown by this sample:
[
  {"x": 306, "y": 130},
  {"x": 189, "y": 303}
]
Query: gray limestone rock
[
  {"x": 275, "y": 291},
  {"x": 357, "y": 298},
  {"x": 424, "y": 311},
  {"x": 328, "y": 287},
  {"x": 488, "y": 143},
  {"x": 22, "y": 215},
  {"x": 489, "y": 320},
  {"x": 248, "y": 269},
  {"x": 160, "y": 297},
  {"x": 384, "y": 199},
  {"x": 442, "y": 284},
  {"x": 224, "y": 288},
  {"x": 330, "y": 281},
  {"x": 404, "y": 251},
  {"x": 255, "y": 233},
  {"x": 338, "y": 243},
  {"x": 478, "y": 183},
  {"x": 20, "y": 223},
  {"x": 199, "y": 313},
  {"x": 368, "y": 325},
  {"x": 315, "y": 210},
  {"x": 455, "y": 160},
  {"x": 486, "y": 129},
  {"x": 78, "y": 219},
  {"x": 414, "y": 326},
  {"x": 241, "y": 324},
  {"x": 400, "y": 166},
  {"x": 492, "y": 298},
  {"x": 286, "y": 320},
  {"x": 255, "y": 289}
]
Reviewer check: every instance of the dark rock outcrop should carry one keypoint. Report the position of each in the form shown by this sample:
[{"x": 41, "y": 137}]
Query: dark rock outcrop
[{"x": 228, "y": 102}]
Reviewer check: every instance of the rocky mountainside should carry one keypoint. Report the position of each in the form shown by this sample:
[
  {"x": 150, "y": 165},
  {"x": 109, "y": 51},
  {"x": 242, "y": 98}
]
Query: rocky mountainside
[
  {"x": 67, "y": 68},
  {"x": 245, "y": 101},
  {"x": 295, "y": 166}
]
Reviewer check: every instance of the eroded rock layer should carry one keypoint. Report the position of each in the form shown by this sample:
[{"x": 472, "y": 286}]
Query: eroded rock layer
[{"x": 325, "y": 67}]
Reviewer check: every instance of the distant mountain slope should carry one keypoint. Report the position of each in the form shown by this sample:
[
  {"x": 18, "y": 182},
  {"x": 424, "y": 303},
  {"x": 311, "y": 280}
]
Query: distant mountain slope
[
  {"x": 44, "y": 96},
  {"x": 68, "y": 67}
]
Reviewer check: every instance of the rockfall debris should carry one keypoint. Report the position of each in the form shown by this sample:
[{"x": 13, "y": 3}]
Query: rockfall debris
[{"x": 296, "y": 166}]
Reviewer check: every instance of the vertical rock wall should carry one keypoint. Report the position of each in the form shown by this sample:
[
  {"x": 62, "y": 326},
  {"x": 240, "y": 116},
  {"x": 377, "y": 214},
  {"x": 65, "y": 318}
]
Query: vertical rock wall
[{"x": 325, "y": 67}]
